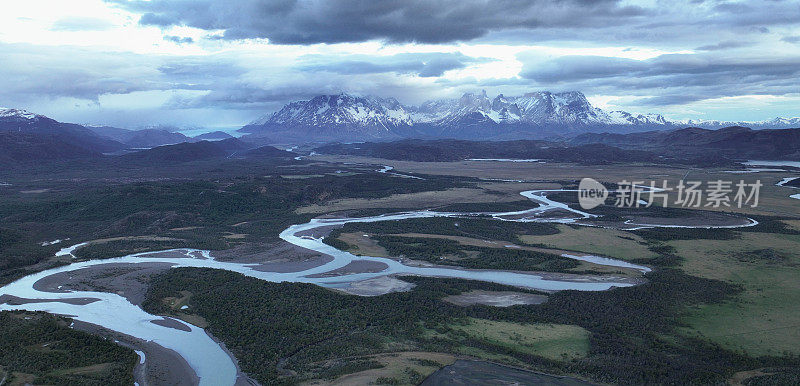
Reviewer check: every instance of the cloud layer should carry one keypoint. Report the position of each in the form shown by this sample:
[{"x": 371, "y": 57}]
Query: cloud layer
[
  {"x": 338, "y": 21},
  {"x": 240, "y": 59}
]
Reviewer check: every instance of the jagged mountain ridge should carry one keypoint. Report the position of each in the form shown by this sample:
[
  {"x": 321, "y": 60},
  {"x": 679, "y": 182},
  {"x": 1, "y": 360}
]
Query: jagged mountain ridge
[
  {"x": 472, "y": 116},
  {"x": 538, "y": 108},
  {"x": 331, "y": 117},
  {"x": 476, "y": 116},
  {"x": 774, "y": 123}
]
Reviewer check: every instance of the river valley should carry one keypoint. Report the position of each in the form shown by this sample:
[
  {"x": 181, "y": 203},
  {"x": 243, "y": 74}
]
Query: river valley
[{"x": 211, "y": 362}]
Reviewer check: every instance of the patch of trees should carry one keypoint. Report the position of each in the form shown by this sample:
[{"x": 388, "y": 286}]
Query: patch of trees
[
  {"x": 294, "y": 325},
  {"x": 44, "y": 346},
  {"x": 611, "y": 209},
  {"x": 18, "y": 249},
  {"x": 634, "y": 331},
  {"x": 337, "y": 243},
  {"x": 451, "y": 252},
  {"x": 480, "y": 228},
  {"x": 771, "y": 224},
  {"x": 668, "y": 234}
]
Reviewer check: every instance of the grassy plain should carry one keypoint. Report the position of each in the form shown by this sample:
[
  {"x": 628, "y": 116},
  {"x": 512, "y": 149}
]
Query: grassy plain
[
  {"x": 554, "y": 341},
  {"x": 607, "y": 242},
  {"x": 399, "y": 368},
  {"x": 418, "y": 200},
  {"x": 764, "y": 319}
]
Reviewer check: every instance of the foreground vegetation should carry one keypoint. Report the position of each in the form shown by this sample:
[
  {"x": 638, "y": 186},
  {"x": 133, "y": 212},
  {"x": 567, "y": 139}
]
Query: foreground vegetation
[
  {"x": 39, "y": 348},
  {"x": 288, "y": 332}
]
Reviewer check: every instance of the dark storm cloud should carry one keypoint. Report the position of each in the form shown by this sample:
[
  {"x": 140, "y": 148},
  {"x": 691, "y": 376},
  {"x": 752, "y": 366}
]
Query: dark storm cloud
[
  {"x": 676, "y": 79},
  {"x": 442, "y": 21},
  {"x": 708, "y": 69},
  {"x": 423, "y": 65},
  {"x": 674, "y": 24},
  {"x": 336, "y": 21}
]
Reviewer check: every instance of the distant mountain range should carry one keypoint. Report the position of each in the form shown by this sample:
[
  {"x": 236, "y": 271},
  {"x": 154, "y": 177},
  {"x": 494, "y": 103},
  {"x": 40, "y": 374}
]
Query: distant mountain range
[
  {"x": 536, "y": 115},
  {"x": 565, "y": 120},
  {"x": 31, "y": 138},
  {"x": 140, "y": 139},
  {"x": 26, "y": 137}
]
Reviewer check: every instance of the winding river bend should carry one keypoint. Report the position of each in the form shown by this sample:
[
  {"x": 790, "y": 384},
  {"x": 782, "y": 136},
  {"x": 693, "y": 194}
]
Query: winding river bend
[{"x": 212, "y": 364}]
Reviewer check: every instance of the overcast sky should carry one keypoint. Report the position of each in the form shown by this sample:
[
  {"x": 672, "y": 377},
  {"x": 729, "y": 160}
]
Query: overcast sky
[{"x": 223, "y": 63}]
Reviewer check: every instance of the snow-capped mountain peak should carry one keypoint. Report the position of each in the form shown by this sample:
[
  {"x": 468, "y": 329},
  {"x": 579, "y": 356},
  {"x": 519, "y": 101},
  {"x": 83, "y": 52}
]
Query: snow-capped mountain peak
[
  {"x": 342, "y": 109},
  {"x": 473, "y": 115},
  {"x": 342, "y": 115},
  {"x": 774, "y": 123},
  {"x": 8, "y": 113}
]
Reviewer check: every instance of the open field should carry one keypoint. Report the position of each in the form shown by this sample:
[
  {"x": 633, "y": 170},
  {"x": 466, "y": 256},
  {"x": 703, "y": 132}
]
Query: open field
[
  {"x": 399, "y": 368},
  {"x": 764, "y": 318},
  {"x": 554, "y": 341},
  {"x": 363, "y": 244},
  {"x": 482, "y": 193},
  {"x": 607, "y": 242},
  {"x": 472, "y": 372}
]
